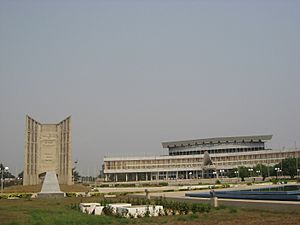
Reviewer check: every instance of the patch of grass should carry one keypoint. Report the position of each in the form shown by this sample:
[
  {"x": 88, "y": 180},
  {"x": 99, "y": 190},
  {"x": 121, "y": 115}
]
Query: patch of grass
[
  {"x": 65, "y": 212},
  {"x": 189, "y": 217},
  {"x": 205, "y": 216},
  {"x": 183, "y": 218},
  {"x": 67, "y": 218},
  {"x": 220, "y": 207},
  {"x": 13, "y": 223},
  {"x": 232, "y": 210}
]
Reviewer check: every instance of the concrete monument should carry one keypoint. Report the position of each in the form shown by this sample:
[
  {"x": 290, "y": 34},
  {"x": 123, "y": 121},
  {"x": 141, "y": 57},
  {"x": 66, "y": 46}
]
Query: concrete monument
[
  {"x": 47, "y": 148},
  {"x": 50, "y": 188}
]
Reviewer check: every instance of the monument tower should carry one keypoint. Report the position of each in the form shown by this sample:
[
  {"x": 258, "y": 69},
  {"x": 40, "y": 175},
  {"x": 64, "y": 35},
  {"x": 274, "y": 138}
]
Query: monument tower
[{"x": 47, "y": 149}]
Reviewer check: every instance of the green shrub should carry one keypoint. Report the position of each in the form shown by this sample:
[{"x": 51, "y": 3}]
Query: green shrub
[
  {"x": 15, "y": 195},
  {"x": 225, "y": 185},
  {"x": 3, "y": 196},
  {"x": 25, "y": 195},
  {"x": 125, "y": 185},
  {"x": 218, "y": 182},
  {"x": 108, "y": 210},
  {"x": 163, "y": 184},
  {"x": 71, "y": 194},
  {"x": 168, "y": 190},
  {"x": 274, "y": 181},
  {"x": 95, "y": 194},
  {"x": 182, "y": 207}
]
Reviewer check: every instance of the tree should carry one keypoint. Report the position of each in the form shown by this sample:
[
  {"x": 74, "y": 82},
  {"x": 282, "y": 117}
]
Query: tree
[
  {"x": 243, "y": 172},
  {"x": 231, "y": 173},
  {"x": 264, "y": 170},
  {"x": 76, "y": 175},
  {"x": 289, "y": 167},
  {"x": 6, "y": 174},
  {"x": 20, "y": 175}
]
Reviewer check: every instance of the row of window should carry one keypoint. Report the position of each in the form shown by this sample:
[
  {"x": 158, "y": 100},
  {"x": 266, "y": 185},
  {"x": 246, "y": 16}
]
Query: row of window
[
  {"x": 214, "y": 151},
  {"x": 214, "y": 143}
]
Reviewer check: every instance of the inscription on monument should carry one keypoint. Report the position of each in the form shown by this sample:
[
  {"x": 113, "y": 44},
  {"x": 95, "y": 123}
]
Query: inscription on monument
[{"x": 49, "y": 149}]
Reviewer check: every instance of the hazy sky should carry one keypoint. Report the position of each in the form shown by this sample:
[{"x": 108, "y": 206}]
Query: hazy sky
[{"x": 135, "y": 73}]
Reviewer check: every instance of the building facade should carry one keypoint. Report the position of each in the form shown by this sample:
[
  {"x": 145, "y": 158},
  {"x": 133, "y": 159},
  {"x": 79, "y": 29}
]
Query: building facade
[
  {"x": 186, "y": 159},
  {"x": 47, "y": 148}
]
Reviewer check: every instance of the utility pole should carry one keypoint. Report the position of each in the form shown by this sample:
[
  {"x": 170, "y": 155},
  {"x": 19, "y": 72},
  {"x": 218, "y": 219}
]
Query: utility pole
[{"x": 296, "y": 156}]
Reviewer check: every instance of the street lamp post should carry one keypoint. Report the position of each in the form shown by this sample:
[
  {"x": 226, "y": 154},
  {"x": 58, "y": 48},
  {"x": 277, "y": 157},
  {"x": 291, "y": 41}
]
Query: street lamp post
[
  {"x": 2, "y": 175},
  {"x": 237, "y": 174},
  {"x": 222, "y": 173},
  {"x": 277, "y": 171},
  {"x": 258, "y": 172},
  {"x": 214, "y": 174},
  {"x": 250, "y": 170},
  {"x": 280, "y": 172}
]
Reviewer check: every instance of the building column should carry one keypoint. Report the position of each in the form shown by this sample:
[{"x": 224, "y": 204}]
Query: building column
[
  {"x": 146, "y": 176},
  {"x": 136, "y": 177},
  {"x": 186, "y": 175},
  {"x": 116, "y": 177},
  {"x": 176, "y": 174},
  {"x": 126, "y": 177}
]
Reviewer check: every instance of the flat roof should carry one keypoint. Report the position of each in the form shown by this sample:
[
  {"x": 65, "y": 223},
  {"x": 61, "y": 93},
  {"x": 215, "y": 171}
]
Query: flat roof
[{"x": 216, "y": 140}]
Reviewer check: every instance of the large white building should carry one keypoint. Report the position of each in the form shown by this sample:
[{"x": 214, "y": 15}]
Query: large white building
[{"x": 189, "y": 159}]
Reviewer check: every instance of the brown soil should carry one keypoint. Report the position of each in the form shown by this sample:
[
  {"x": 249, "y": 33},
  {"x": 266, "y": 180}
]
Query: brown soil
[
  {"x": 74, "y": 188},
  {"x": 23, "y": 189},
  {"x": 37, "y": 188}
]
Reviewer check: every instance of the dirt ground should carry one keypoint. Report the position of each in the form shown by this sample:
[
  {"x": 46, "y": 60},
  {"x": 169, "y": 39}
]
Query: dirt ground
[{"x": 37, "y": 188}]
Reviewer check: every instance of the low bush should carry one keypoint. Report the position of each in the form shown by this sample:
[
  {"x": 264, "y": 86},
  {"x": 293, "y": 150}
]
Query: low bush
[
  {"x": 108, "y": 210},
  {"x": 15, "y": 195},
  {"x": 182, "y": 207},
  {"x": 225, "y": 185},
  {"x": 125, "y": 185},
  {"x": 70, "y": 194},
  {"x": 168, "y": 190},
  {"x": 274, "y": 181},
  {"x": 96, "y": 194}
]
